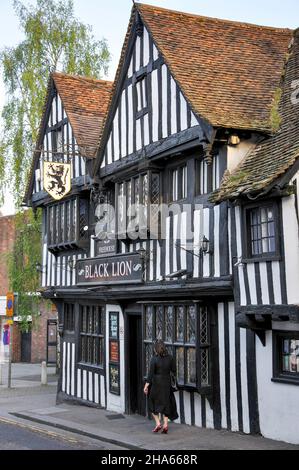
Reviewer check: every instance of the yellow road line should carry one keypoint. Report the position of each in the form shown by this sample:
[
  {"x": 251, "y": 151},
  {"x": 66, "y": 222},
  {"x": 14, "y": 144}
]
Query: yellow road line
[{"x": 38, "y": 430}]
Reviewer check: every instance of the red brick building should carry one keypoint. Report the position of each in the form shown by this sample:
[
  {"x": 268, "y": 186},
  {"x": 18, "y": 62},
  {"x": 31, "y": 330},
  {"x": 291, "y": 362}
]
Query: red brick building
[{"x": 30, "y": 346}]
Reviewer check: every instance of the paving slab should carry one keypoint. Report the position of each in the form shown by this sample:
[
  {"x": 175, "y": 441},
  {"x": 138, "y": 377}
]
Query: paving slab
[{"x": 31, "y": 402}]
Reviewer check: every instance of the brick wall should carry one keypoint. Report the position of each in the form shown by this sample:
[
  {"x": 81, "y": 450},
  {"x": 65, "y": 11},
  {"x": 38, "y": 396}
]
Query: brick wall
[
  {"x": 7, "y": 236},
  {"x": 39, "y": 333}
]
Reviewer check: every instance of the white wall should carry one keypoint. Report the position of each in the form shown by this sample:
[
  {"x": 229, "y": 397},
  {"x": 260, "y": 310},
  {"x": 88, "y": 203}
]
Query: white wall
[
  {"x": 278, "y": 403},
  {"x": 236, "y": 155},
  {"x": 116, "y": 402},
  {"x": 291, "y": 248}
]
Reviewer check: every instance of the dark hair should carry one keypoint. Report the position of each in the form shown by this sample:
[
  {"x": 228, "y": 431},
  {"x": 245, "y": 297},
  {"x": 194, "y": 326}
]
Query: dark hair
[{"x": 160, "y": 348}]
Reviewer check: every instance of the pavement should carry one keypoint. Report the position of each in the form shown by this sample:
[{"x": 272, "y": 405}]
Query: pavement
[{"x": 29, "y": 403}]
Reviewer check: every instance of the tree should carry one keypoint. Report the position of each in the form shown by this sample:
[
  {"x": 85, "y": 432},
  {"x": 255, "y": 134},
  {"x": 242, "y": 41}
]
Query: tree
[{"x": 54, "y": 40}]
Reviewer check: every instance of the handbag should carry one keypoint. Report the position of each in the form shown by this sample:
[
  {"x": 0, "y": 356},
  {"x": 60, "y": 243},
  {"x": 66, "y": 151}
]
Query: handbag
[{"x": 173, "y": 382}]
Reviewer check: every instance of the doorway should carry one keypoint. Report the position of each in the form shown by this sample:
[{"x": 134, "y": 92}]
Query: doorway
[
  {"x": 135, "y": 402},
  {"x": 26, "y": 346}
]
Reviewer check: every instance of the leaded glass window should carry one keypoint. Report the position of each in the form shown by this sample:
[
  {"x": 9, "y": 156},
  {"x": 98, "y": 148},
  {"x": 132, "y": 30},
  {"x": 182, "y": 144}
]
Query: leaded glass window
[
  {"x": 191, "y": 324},
  {"x": 159, "y": 322},
  {"x": 180, "y": 365},
  {"x": 169, "y": 324},
  {"x": 185, "y": 330},
  {"x": 148, "y": 323},
  {"x": 179, "y": 323},
  {"x": 191, "y": 366}
]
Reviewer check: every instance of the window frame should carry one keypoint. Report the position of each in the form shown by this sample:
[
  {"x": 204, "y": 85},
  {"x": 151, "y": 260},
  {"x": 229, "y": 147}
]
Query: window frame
[
  {"x": 248, "y": 255},
  {"x": 179, "y": 168},
  {"x": 143, "y": 230},
  {"x": 172, "y": 346},
  {"x": 139, "y": 79},
  {"x": 279, "y": 375},
  {"x": 99, "y": 336},
  {"x": 69, "y": 317},
  {"x": 55, "y": 231}
]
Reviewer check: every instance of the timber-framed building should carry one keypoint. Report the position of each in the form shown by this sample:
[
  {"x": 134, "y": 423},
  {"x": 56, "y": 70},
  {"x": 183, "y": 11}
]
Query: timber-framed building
[{"x": 202, "y": 118}]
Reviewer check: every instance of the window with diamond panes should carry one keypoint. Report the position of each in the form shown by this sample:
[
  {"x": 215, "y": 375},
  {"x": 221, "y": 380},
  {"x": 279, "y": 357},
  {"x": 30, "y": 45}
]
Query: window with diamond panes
[
  {"x": 186, "y": 333},
  {"x": 92, "y": 335}
]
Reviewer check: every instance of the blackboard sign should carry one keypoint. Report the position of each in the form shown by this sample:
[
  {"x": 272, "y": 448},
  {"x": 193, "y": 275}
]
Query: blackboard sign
[
  {"x": 114, "y": 359},
  {"x": 114, "y": 379}
]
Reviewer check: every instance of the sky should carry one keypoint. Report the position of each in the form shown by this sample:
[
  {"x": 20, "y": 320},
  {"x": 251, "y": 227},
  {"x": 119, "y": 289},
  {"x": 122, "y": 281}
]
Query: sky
[{"x": 109, "y": 19}]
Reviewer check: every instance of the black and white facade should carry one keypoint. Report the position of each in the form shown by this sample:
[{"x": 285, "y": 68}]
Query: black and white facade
[{"x": 218, "y": 282}]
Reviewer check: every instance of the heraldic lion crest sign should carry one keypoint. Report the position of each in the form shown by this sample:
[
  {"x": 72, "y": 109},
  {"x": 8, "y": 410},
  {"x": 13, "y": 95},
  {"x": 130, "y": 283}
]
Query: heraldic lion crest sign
[{"x": 57, "y": 179}]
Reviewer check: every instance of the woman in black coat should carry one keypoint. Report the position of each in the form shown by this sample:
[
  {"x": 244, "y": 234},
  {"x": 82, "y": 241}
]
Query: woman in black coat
[{"x": 161, "y": 400}]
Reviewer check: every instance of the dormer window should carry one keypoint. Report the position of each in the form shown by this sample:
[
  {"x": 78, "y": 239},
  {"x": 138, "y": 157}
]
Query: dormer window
[{"x": 141, "y": 97}]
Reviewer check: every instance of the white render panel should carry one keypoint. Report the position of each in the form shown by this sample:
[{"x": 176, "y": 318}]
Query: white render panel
[
  {"x": 244, "y": 381},
  {"x": 252, "y": 283},
  {"x": 264, "y": 283},
  {"x": 173, "y": 106},
  {"x": 73, "y": 371},
  {"x": 79, "y": 373},
  {"x": 103, "y": 396},
  {"x": 278, "y": 402},
  {"x": 123, "y": 125},
  {"x": 216, "y": 241},
  {"x": 164, "y": 101},
  {"x": 155, "y": 105},
  {"x": 291, "y": 248},
  {"x": 90, "y": 386},
  {"x": 276, "y": 282},
  {"x": 232, "y": 361},
  {"x": 146, "y": 51},
  {"x": 96, "y": 388},
  {"x": 84, "y": 385},
  {"x": 222, "y": 364}
]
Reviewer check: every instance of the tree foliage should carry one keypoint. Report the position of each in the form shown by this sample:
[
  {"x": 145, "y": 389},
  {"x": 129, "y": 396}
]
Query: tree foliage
[
  {"x": 22, "y": 263},
  {"x": 54, "y": 39}
]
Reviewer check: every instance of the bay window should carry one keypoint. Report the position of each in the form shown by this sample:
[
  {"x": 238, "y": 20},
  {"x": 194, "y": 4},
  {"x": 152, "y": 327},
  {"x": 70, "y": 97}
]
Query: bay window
[{"x": 67, "y": 224}]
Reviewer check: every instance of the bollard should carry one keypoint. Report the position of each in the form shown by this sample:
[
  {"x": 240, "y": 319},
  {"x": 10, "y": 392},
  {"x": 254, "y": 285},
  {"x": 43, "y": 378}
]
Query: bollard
[{"x": 44, "y": 379}]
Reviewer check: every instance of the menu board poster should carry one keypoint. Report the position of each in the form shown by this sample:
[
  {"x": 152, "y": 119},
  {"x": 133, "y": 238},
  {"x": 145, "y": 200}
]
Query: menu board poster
[
  {"x": 114, "y": 351},
  {"x": 114, "y": 325},
  {"x": 114, "y": 379}
]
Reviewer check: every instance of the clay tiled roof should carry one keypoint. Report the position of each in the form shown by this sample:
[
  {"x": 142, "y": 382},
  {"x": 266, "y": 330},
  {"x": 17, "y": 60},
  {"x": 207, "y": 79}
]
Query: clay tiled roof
[
  {"x": 275, "y": 155},
  {"x": 228, "y": 71},
  {"x": 85, "y": 101}
]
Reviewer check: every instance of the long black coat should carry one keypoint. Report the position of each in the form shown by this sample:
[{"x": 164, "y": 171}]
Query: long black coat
[{"x": 161, "y": 398}]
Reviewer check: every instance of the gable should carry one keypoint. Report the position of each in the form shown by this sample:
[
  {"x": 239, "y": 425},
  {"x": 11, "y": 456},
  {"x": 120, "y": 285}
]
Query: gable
[
  {"x": 167, "y": 112},
  {"x": 57, "y": 141}
]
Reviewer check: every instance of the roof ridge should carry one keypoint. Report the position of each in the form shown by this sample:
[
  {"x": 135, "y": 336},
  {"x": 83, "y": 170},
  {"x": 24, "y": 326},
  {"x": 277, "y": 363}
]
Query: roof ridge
[
  {"x": 82, "y": 78},
  {"x": 220, "y": 20}
]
